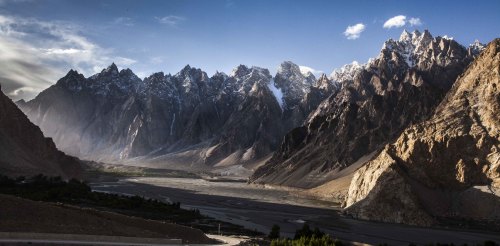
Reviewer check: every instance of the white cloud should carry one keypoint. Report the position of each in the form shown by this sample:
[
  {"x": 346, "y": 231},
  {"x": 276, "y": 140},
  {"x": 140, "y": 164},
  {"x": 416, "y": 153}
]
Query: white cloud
[
  {"x": 171, "y": 20},
  {"x": 353, "y": 32},
  {"x": 64, "y": 51},
  {"x": 401, "y": 20},
  {"x": 35, "y": 54},
  {"x": 396, "y": 21},
  {"x": 415, "y": 21},
  {"x": 305, "y": 69}
]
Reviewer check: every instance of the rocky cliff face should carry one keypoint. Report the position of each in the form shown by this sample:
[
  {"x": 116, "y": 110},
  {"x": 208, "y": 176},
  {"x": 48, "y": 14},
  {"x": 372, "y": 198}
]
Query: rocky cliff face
[
  {"x": 447, "y": 166},
  {"x": 218, "y": 120},
  {"x": 376, "y": 101},
  {"x": 25, "y": 151}
]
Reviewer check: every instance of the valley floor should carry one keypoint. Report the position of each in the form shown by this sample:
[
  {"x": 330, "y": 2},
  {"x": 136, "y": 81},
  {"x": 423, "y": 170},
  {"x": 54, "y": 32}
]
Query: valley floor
[{"x": 258, "y": 208}]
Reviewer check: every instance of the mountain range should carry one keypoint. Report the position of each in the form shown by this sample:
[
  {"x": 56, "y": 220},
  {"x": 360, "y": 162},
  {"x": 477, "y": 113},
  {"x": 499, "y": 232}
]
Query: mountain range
[
  {"x": 419, "y": 120},
  {"x": 187, "y": 118}
]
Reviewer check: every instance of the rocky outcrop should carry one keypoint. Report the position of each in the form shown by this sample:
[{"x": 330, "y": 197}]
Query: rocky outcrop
[
  {"x": 375, "y": 102},
  {"x": 24, "y": 151},
  {"x": 445, "y": 167}
]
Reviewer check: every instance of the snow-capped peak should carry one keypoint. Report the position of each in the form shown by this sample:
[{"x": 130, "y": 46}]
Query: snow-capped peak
[
  {"x": 295, "y": 74},
  {"x": 292, "y": 82},
  {"x": 346, "y": 72},
  {"x": 288, "y": 68},
  {"x": 405, "y": 36},
  {"x": 239, "y": 71},
  {"x": 447, "y": 37},
  {"x": 476, "y": 47},
  {"x": 409, "y": 45}
]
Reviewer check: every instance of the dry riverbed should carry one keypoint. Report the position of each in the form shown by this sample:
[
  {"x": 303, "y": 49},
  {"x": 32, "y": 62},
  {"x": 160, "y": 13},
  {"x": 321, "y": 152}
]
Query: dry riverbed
[{"x": 257, "y": 208}]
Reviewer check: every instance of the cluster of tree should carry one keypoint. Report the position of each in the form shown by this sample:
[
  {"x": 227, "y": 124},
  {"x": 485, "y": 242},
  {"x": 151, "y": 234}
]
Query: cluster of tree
[
  {"x": 325, "y": 240},
  {"x": 303, "y": 237},
  {"x": 55, "y": 189}
]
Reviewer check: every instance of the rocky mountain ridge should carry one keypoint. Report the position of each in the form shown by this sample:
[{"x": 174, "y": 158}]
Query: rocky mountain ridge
[
  {"x": 24, "y": 150},
  {"x": 375, "y": 102},
  {"x": 445, "y": 167}
]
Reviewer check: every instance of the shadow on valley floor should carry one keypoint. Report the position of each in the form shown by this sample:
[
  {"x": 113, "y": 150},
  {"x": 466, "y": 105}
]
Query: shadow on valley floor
[{"x": 257, "y": 215}]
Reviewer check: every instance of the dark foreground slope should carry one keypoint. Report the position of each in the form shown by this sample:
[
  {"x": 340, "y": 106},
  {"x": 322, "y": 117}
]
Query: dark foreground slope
[
  {"x": 25, "y": 151},
  {"x": 446, "y": 167},
  {"x": 21, "y": 215}
]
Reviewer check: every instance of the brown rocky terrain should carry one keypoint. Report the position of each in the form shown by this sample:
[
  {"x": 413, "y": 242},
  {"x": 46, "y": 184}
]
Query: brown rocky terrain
[
  {"x": 25, "y": 151},
  {"x": 445, "y": 167}
]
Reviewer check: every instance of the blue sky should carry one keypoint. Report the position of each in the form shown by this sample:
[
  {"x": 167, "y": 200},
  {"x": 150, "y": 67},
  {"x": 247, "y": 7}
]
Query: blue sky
[{"x": 41, "y": 40}]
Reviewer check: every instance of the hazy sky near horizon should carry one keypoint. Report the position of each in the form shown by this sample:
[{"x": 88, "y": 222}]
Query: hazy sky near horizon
[{"x": 40, "y": 40}]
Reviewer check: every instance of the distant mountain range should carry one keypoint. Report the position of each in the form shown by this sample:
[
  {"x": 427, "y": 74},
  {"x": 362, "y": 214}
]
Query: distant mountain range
[
  {"x": 420, "y": 119},
  {"x": 188, "y": 117}
]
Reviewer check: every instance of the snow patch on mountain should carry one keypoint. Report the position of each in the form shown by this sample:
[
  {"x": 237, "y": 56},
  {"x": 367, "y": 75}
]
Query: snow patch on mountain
[{"x": 278, "y": 94}]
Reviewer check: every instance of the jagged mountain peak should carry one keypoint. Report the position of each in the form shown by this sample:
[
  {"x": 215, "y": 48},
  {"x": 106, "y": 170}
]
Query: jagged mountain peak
[
  {"x": 289, "y": 67},
  {"x": 476, "y": 47},
  {"x": 188, "y": 70},
  {"x": 290, "y": 70},
  {"x": 324, "y": 82},
  {"x": 422, "y": 48},
  {"x": 191, "y": 74},
  {"x": 292, "y": 81},
  {"x": 72, "y": 80},
  {"x": 111, "y": 81},
  {"x": 260, "y": 71},
  {"x": 156, "y": 75},
  {"x": 219, "y": 74},
  {"x": 346, "y": 72},
  {"x": 240, "y": 71},
  {"x": 405, "y": 36},
  {"x": 113, "y": 69}
]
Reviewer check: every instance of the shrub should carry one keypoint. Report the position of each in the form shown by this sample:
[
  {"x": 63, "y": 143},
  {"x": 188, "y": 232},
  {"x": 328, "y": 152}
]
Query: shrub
[{"x": 275, "y": 232}]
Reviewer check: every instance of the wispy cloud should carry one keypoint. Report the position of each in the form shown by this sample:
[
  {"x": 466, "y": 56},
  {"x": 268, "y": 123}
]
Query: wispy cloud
[
  {"x": 35, "y": 54},
  {"x": 354, "y": 32},
  {"x": 415, "y": 21},
  {"x": 306, "y": 69},
  {"x": 171, "y": 20},
  {"x": 401, "y": 20},
  {"x": 125, "y": 21}
]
